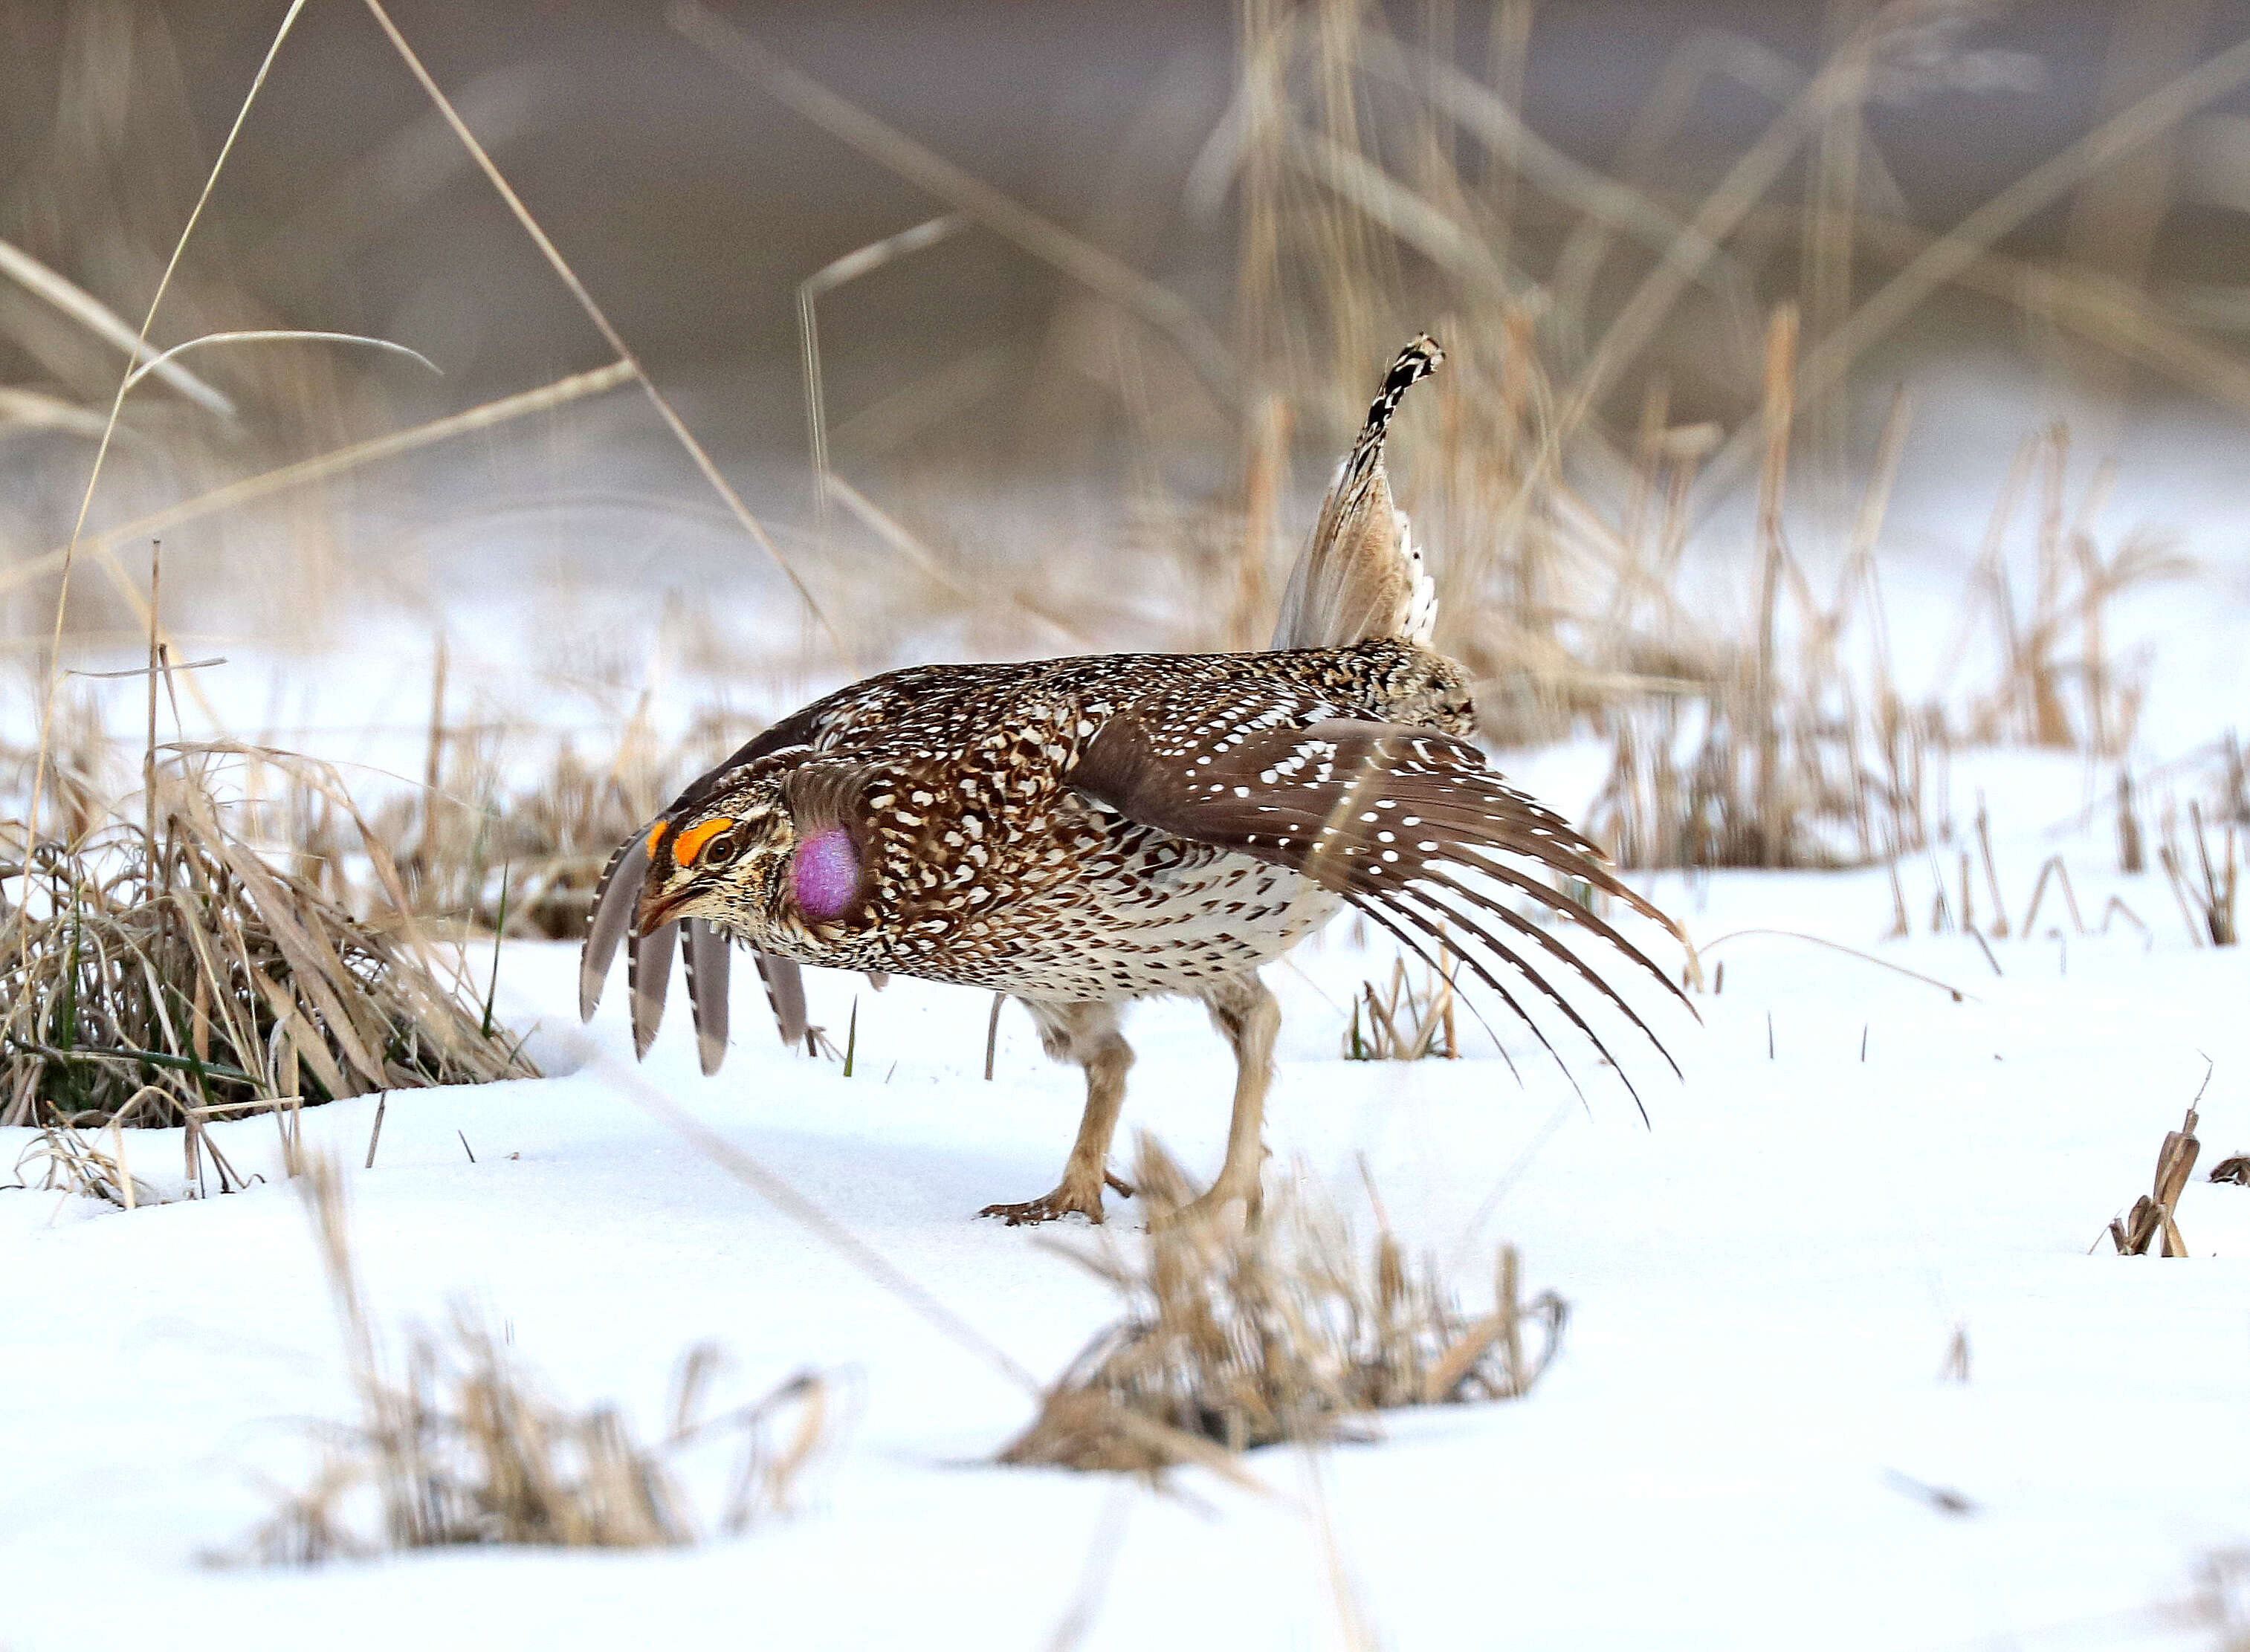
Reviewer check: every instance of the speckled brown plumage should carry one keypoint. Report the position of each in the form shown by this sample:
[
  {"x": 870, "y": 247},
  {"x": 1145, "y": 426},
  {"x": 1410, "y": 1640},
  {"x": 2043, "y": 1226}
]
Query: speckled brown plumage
[{"x": 1082, "y": 832}]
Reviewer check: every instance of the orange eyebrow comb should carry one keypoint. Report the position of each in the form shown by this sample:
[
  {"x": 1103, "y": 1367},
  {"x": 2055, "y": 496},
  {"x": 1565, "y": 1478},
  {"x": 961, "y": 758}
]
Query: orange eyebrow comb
[{"x": 689, "y": 843}]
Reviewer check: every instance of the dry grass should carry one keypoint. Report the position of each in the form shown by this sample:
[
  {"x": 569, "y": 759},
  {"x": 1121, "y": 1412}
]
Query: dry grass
[
  {"x": 1625, "y": 354},
  {"x": 512, "y": 827},
  {"x": 1559, "y": 488},
  {"x": 68, "y": 1162},
  {"x": 84, "y": 771},
  {"x": 1411, "y": 1018},
  {"x": 1281, "y": 1330},
  {"x": 2234, "y": 785},
  {"x": 2059, "y": 687},
  {"x": 160, "y": 971},
  {"x": 2150, "y": 1222},
  {"x": 1968, "y": 892},
  {"x": 1378, "y": 188},
  {"x": 2204, "y": 886},
  {"x": 1697, "y": 786},
  {"x": 458, "y": 1445}
]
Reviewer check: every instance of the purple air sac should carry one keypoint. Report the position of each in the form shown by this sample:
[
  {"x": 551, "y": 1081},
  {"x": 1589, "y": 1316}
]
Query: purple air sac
[{"x": 824, "y": 873}]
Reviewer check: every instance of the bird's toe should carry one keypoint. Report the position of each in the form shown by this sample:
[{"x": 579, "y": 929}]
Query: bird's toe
[{"x": 1065, "y": 1200}]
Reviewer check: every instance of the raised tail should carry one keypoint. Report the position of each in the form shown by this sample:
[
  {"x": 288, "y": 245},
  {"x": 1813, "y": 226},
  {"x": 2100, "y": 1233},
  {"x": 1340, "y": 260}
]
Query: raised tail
[{"x": 1361, "y": 575}]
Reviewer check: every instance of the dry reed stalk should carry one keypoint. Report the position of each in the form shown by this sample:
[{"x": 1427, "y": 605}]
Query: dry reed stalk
[
  {"x": 1957, "y": 1366},
  {"x": 835, "y": 273},
  {"x": 2052, "y": 867},
  {"x": 2124, "y": 134},
  {"x": 694, "y": 450},
  {"x": 2116, "y": 908},
  {"x": 2117, "y": 321},
  {"x": 1265, "y": 474},
  {"x": 1827, "y": 250},
  {"x": 1656, "y": 128},
  {"x": 1780, "y": 411},
  {"x": 1526, "y": 494},
  {"x": 2131, "y": 858},
  {"x": 2073, "y": 587},
  {"x": 2000, "y": 926},
  {"x": 98, "y": 319},
  {"x": 1265, "y": 43},
  {"x": 1535, "y": 579},
  {"x": 1560, "y": 598},
  {"x": 324, "y": 467},
  {"x": 1098, "y": 269},
  {"x": 2151, "y": 1218},
  {"x": 164, "y": 445},
  {"x": 2205, "y": 892},
  {"x": 1490, "y": 114},
  {"x": 101, "y": 451},
  {"x": 459, "y": 1445},
  {"x": 1684, "y": 786},
  {"x": 1708, "y": 946},
  {"x": 2234, "y": 796},
  {"x": 1281, "y": 1329}
]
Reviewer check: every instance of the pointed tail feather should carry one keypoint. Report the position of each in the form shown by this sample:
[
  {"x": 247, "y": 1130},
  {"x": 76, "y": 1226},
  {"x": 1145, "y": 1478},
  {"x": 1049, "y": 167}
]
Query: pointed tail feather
[
  {"x": 708, "y": 969},
  {"x": 785, "y": 996},
  {"x": 648, "y": 975},
  {"x": 1361, "y": 575},
  {"x": 616, "y": 899}
]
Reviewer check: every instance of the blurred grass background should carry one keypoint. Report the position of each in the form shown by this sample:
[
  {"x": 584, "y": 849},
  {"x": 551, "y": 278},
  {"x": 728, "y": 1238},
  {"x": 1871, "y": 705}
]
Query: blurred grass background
[
  {"x": 1753, "y": 308},
  {"x": 1834, "y": 391}
]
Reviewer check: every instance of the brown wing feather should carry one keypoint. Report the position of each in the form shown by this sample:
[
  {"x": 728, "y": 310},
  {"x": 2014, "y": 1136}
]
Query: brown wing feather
[{"x": 1379, "y": 813}]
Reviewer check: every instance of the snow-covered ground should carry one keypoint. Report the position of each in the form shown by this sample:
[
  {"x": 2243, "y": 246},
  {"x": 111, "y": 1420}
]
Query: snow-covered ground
[
  {"x": 1754, "y": 1435},
  {"x": 1751, "y": 1438}
]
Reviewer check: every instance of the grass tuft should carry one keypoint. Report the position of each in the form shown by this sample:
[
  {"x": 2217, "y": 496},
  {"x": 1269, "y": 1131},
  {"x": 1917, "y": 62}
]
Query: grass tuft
[
  {"x": 2204, "y": 885},
  {"x": 459, "y": 1445},
  {"x": 2150, "y": 1220},
  {"x": 159, "y": 971},
  {"x": 1282, "y": 1330},
  {"x": 1406, "y": 1020}
]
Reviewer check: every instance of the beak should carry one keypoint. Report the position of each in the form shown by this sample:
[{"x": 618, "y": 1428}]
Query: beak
[{"x": 657, "y": 908}]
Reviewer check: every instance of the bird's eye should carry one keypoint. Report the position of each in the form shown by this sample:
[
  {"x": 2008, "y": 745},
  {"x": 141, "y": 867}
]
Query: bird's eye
[
  {"x": 722, "y": 850},
  {"x": 700, "y": 846}
]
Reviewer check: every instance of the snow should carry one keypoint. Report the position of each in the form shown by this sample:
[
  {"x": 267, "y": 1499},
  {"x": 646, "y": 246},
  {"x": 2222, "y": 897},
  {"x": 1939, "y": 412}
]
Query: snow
[{"x": 1750, "y": 1440}]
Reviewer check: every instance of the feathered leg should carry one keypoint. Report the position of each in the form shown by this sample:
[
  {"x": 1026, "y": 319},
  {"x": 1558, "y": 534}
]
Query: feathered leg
[
  {"x": 1087, "y": 1034},
  {"x": 1243, "y": 1009}
]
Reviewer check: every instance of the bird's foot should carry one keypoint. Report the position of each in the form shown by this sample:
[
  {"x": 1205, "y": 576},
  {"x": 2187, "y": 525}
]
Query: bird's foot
[
  {"x": 1078, "y": 1195},
  {"x": 1065, "y": 1200}
]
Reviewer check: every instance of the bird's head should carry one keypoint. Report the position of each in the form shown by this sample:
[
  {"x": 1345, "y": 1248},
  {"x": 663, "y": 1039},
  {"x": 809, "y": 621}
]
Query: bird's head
[{"x": 773, "y": 854}]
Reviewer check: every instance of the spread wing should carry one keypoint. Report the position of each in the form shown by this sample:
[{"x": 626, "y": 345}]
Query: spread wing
[
  {"x": 1391, "y": 817},
  {"x": 648, "y": 957}
]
